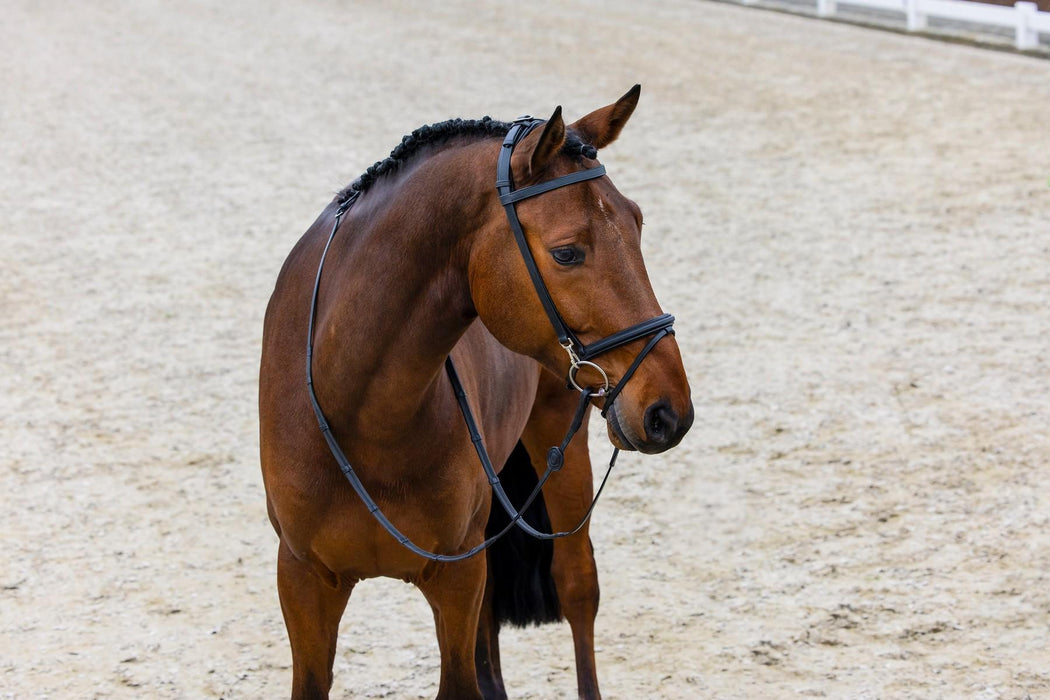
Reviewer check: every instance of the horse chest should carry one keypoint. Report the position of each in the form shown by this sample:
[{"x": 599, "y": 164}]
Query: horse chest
[{"x": 445, "y": 511}]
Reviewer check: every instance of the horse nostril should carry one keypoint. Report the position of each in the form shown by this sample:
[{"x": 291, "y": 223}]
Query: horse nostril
[{"x": 660, "y": 423}]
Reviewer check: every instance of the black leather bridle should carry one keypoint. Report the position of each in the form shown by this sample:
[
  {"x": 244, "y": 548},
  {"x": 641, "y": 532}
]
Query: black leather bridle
[{"x": 580, "y": 355}]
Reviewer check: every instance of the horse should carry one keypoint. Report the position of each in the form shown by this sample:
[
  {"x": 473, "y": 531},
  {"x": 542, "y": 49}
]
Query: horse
[{"x": 432, "y": 342}]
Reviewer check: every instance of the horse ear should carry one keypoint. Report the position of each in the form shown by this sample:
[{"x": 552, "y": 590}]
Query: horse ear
[
  {"x": 602, "y": 126},
  {"x": 551, "y": 141}
]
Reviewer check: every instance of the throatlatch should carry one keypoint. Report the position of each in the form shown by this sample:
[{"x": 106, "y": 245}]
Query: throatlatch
[{"x": 580, "y": 355}]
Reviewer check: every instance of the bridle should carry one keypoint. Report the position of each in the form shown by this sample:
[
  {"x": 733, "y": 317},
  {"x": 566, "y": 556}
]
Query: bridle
[{"x": 580, "y": 355}]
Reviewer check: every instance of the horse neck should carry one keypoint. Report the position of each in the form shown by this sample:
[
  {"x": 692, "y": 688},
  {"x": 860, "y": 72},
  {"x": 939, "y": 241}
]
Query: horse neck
[{"x": 398, "y": 294}]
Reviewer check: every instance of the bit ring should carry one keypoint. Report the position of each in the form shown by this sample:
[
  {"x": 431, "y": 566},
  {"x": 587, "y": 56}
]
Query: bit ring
[{"x": 581, "y": 363}]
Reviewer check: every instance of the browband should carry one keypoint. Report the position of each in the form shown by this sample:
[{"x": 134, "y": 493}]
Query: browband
[{"x": 533, "y": 190}]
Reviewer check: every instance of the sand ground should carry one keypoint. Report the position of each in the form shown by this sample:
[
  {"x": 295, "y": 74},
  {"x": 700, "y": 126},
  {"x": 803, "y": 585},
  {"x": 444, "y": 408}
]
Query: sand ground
[{"x": 852, "y": 227}]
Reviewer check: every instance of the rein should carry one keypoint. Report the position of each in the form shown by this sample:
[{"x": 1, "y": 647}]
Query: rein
[{"x": 580, "y": 355}]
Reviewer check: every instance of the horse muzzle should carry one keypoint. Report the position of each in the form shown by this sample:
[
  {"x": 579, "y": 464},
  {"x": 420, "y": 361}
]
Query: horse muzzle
[{"x": 662, "y": 428}]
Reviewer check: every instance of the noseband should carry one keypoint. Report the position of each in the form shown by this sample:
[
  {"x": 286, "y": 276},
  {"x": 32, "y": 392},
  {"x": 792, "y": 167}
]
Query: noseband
[{"x": 580, "y": 355}]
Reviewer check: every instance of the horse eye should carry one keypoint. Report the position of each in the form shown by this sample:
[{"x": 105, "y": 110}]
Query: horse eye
[{"x": 567, "y": 256}]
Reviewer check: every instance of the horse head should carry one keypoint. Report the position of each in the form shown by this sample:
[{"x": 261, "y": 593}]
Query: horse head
[{"x": 584, "y": 238}]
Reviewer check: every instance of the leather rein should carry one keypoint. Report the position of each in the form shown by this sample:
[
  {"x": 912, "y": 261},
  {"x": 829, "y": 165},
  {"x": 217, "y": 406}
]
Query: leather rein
[{"x": 580, "y": 355}]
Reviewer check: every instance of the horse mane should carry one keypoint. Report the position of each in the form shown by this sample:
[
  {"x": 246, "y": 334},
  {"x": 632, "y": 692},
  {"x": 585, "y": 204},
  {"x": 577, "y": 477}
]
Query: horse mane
[{"x": 442, "y": 133}]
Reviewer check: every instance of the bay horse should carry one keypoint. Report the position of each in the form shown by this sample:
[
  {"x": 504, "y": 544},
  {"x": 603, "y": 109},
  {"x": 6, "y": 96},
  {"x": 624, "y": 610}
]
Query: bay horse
[{"x": 420, "y": 264}]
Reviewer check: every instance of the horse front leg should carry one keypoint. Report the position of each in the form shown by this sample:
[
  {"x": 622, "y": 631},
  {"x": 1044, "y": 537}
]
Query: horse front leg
[
  {"x": 567, "y": 496},
  {"x": 486, "y": 651},
  {"x": 312, "y": 608},
  {"x": 454, "y": 591}
]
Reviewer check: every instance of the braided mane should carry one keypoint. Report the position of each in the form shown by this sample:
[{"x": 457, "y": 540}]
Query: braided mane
[{"x": 442, "y": 132}]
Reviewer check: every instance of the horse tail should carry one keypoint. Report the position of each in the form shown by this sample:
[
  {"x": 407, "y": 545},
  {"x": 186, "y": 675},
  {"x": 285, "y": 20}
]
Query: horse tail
[{"x": 523, "y": 590}]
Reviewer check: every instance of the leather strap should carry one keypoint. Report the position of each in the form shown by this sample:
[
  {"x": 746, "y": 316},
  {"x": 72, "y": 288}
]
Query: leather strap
[
  {"x": 627, "y": 335},
  {"x": 555, "y": 461},
  {"x": 505, "y": 186},
  {"x": 611, "y": 396},
  {"x": 533, "y": 190}
]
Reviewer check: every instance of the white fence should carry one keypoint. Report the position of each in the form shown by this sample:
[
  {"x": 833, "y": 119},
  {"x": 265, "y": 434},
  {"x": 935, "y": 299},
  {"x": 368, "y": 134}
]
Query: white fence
[{"x": 1024, "y": 17}]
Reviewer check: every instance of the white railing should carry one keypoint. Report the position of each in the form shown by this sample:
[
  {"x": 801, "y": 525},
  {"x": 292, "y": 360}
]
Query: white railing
[{"x": 1024, "y": 17}]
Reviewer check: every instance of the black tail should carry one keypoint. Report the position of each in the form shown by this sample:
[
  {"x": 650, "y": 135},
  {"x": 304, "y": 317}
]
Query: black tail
[{"x": 519, "y": 565}]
